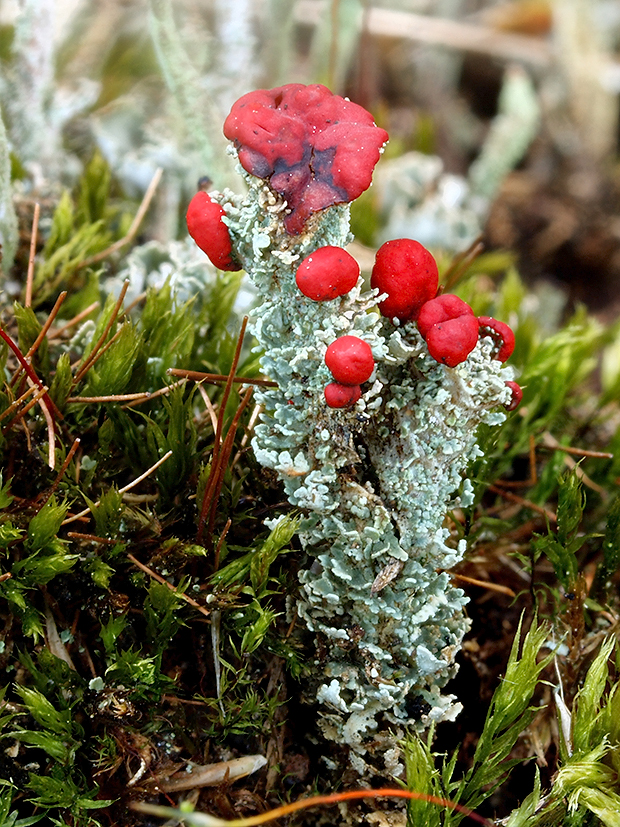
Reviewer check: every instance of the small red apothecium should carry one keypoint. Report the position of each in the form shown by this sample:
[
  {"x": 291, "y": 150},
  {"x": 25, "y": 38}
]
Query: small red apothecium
[
  {"x": 407, "y": 272},
  {"x": 350, "y": 360},
  {"x": 449, "y": 328},
  {"x": 205, "y": 225},
  {"x": 341, "y": 396},
  {"x": 501, "y": 333},
  {"x": 327, "y": 273}
]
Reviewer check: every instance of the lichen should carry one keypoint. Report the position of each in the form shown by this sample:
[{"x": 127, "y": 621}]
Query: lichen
[{"x": 373, "y": 481}]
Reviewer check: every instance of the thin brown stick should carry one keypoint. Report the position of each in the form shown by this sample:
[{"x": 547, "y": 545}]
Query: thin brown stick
[
  {"x": 485, "y": 584},
  {"x": 48, "y": 323},
  {"x": 215, "y": 480},
  {"x": 507, "y": 495},
  {"x": 78, "y": 535},
  {"x": 36, "y": 398},
  {"x": 244, "y": 439},
  {"x": 461, "y": 262},
  {"x": 102, "y": 338},
  {"x": 29, "y": 371},
  {"x": 164, "y": 582},
  {"x": 14, "y": 405},
  {"x": 220, "y": 543},
  {"x": 51, "y": 436},
  {"x": 208, "y": 405},
  {"x": 224, "y": 457},
  {"x": 103, "y": 350},
  {"x": 533, "y": 479},
  {"x": 312, "y": 801},
  {"x": 172, "y": 699},
  {"x": 42, "y": 333},
  {"x": 141, "y": 396},
  {"x": 198, "y": 376},
  {"x": 551, "y": 444},
  {"x": 135, "y": 224},
  {"x": 140, "y": 298},
  {"x": 161, "y": 392},
  {"x": 146, "y": 474},
  {"x": 63, "y": 468},
  {"x": 444, "y": 32},
  {"x": 229, "y": 383},
  {"x": 56, "y": 334},
  {"x": 31, "y": 255},
  {"x": 122, "y": 490},
  {"x": 119, "y": 397}
]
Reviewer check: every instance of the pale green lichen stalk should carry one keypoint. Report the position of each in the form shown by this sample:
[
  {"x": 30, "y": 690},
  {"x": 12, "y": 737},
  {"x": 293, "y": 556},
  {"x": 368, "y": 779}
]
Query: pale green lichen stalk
[{"x": 375, "y": 481}]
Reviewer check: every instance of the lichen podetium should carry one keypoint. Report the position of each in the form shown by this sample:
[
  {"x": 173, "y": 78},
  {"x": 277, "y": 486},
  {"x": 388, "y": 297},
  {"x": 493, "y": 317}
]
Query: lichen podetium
[{"x": 374, "y": 479}]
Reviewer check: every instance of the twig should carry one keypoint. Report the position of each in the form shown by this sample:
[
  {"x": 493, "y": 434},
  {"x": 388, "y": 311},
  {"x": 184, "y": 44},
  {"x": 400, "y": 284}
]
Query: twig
[
  {"x": 225, "y": 456},
  {"x": 56, "y": 334},
  {"x": 118, "y": 397},
  {"x": 550, "y": 442},
  {"x": 102, "y": 338},
  {"x": 63, "y": 468},
  {"x": 205, "y": 820},
  {"x": 164, "y": 582},
  {"x": 228, "y": 386},
  {"x": 154, "y": 394},
  {"x": 78, "y": 535},
  {"x": 140, "y": 298},
  {"x": 14, "y": 405},
  {"x": 51, "y": 436},
  {"x": 220, "y": 543},
  {"x": 42, "y": 333},
  {"x": 30, "y": 372},
  {"x": 208, "y": 405},
  {"x": 36, "y": 398},
  {"x": 135, "y": 224},
  {"x": 122, "y": 490},
  {"x": 48, "y": 323},
  {"x": 218, "y": 469},
  {"x": 533, "y": 479},
  {"x": 461, "y": 262},
  {"x": 442, "y": 32},
  {"x": 198, "y": 376},
  {"x": 211, "y": 492},
  {"x": 31, "y": 255},
  {"x": 103, "y": 350},
  {"x": 141, "y": 396},
  {"x": 507, "y": 495},
  {"x": 244, "y": 439},
  {"x": 485, "y": 584}
]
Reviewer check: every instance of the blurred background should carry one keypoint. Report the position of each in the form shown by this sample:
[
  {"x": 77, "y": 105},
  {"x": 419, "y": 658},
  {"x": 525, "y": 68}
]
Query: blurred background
[{"x": 503, "y": 116}]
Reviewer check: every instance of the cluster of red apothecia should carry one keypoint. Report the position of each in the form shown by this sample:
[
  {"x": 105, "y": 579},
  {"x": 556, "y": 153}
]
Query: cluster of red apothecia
[{"x": 403, "y": 269}]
